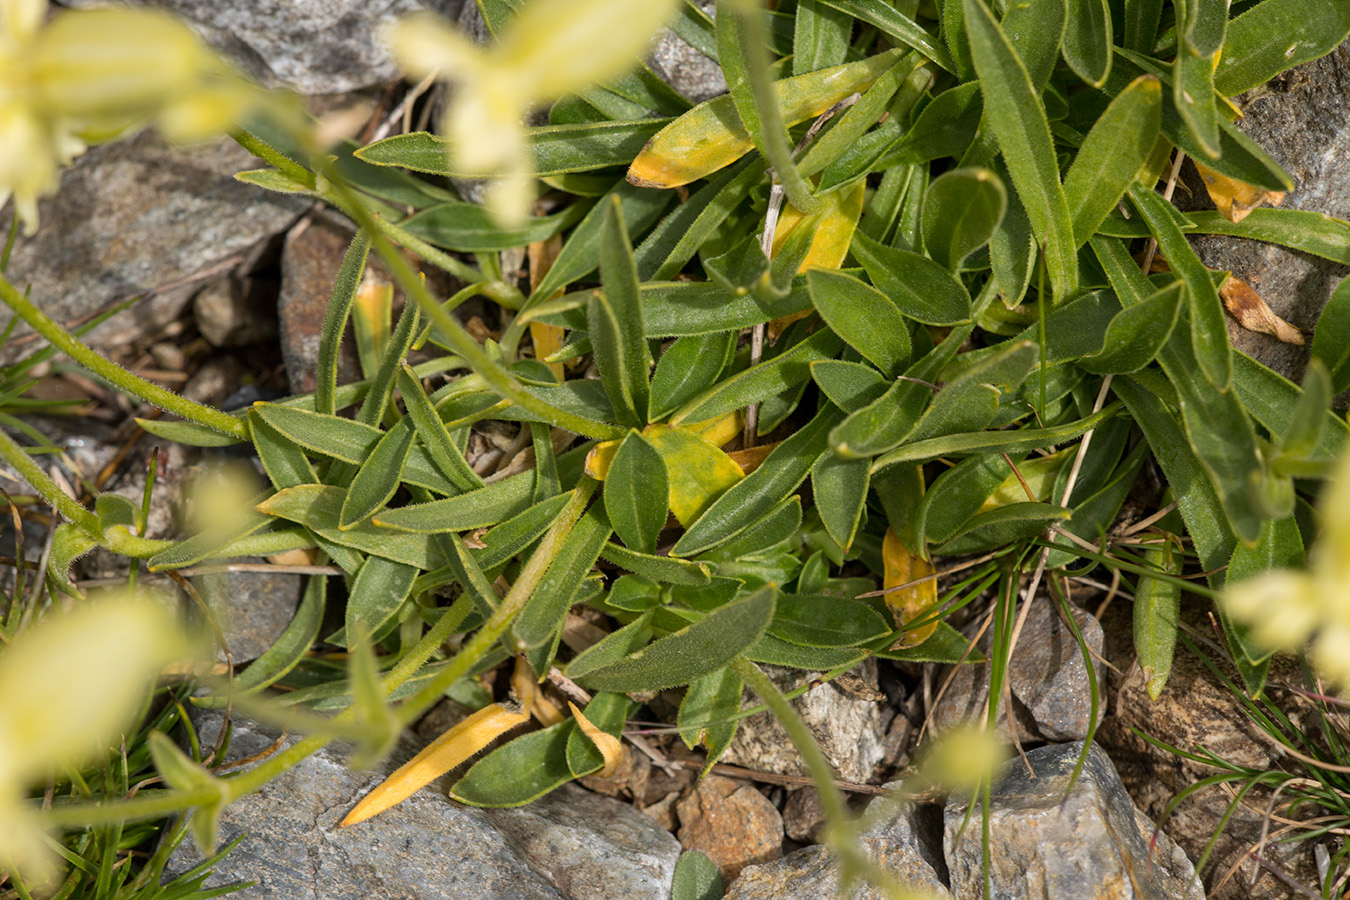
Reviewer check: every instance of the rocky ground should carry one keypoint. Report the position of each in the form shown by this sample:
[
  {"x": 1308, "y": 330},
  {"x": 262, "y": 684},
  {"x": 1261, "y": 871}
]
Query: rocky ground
[{"x": 232, "y": 282}]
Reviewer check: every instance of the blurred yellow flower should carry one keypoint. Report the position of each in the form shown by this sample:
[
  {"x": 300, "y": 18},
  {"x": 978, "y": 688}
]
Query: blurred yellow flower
[
  {"x": 68, "y": 685},
  {"x": 89, "y": 75},
  {"x": 550, "y": 48},
  {"x": 1284, "y": 608}
]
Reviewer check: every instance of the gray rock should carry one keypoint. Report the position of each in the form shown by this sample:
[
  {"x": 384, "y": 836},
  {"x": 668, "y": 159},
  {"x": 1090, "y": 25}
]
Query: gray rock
[
  {"x": 141, "y": 218},
  {"x": 899, "y": 839},
  {"x": 1056, "y": 838},
  {"x": 1302, "y": 119},
  {"x": 566, "y": 847},
  {"x": 1047, "y": 678},
  {"x": 848, "y": 728},
  {"x": 252, "y": 608},
  {"x": 309, "y": 46},
  {"x": 685, "y": 69}
]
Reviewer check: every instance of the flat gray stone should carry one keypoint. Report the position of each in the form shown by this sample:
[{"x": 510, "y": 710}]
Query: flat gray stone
[
  {"x": 139, "y": 218},
  {"x": 1302, "y": 119},
  {"x": 568, "y": 846},
  {"x": 848, "y": 729},
  {"x": 309, "y": 46},
  {"x": 1056, "y": 838},
  {"x": 901, "y": 841},
  {"x": 252, "y": 608},
  {"x": 1047, "y": 677}
]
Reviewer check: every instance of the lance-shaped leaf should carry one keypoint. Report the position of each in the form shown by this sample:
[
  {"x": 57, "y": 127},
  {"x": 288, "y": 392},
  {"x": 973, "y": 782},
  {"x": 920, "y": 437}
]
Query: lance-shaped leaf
[
  {"x": 922, "y": 289},
  {"x": 820, "y": 621},
  {"x": 911, "y": 605},
  {"x": 711, "y": 135},
  {"x": 1137, "y": 333},
  {"x": 840, "y": 489},
  {"x": 546, "y": 608},
  {"x": 636, "y": 493},
  {"x": 615, "y": 318},
  {"x": 1087, "y": 40},
  {"x": 1018, "y": 121},
  {"x": 1299, "y": 229},
  {"x": 945, "y": 127},
  {"x": 1037, "y": 31},
  {"x": 705, "y": 646},
  {"x": 377, "y": 593},
  {"x": 379, "y": 476},
  {"x": 889, "y": 21},
  {"x": 293, "y": 643},
  {"x": 1112, "y": 154},
  {"x": 433, "y": 434},
  {"x": 1276, "y": 35},
  {"x": 687, "y": 367},
  {"x": 1157, "y": 615},
  {"x": 864, "y": 317},
  {"x": 1209, "y": 331},
  {"x": 820, "y": 37},
  {"x": 961, "y": 210},
  {"x": 1331, "y": 340}
]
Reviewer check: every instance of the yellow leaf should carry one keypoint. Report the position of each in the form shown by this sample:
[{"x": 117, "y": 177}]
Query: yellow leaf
[
  {"x": 711, "y": 135},
  {"x": 832, "y": 233},
  {"x": 719, "y": 431},
  {"x": 1233, "y": 198},
  {"x": 610, "y": 747},
  {"x": 699, "y": 472},
  {"x": 912, "y": 603},
  {"x": 437, "y": 758}
]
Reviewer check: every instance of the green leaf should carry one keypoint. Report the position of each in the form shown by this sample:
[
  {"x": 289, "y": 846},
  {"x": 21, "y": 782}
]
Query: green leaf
[
  {"x": 945, "y": 127},
  {"x": 283, "y": 461},
  {"x": 840, "y": 489},
  {"x": 1112, "y": 154},
  {"x": 780, "y": 524},
  {"x": 1157, "y": 614},
  {"x": 1280, "y": 546},
  {"x": 851, "y": 137},
  {"x": 189, "y": 433},
  {"x": 1087, "y": 41},
  {"x": 710, "y": 712},
  {"x": 556, "y": 149},
  {"x": 820, "y": 38},
  {"x": 1141, "y": 24},
  {"x": 292, "y": 645},
  {"x": 317, "y": 507},
  {"x": 636, "y": 493},
  {"x": 469, "y": 227},
  {"x": 961, "y": 211},
  {"x": 612, "y": 647},
  {"x": 1137, "y": 333},
  {"x": 763, "y": 490},
  {"x": 1200, "y": 26},
  {"x": 520, "y": 772},
  {"x": 1017, "y": 118},
  {"x": 1010, "y": 442},
  {"x": 956, "y": 496},
  {"x": 679, "y": 235},
  {"x": 1002, "y": 526},
  {"x": 664, "y": 569},
  {"x": 1274, "y": 36},
  {"x": 682, "y": 308},
  {"x": 1037, "y": 31},
  {"x": 921, "y": 289},
  {"x": 820, "y": 621},
  {"x": 968, "y": 401},
  {"x": 545, "y": 610},
  {"x": 379, "y": 476},
  {"x": 887, "y": 421},
  {"x": 696, "y": 877},
  {"x": 615, "y": 320},
  {"x": 705, "y": 646},
  {"x": 1209, "y": 329},
  {"x": 580, "y": 256},
  {"x": 864, "y": 317},
  {"x": 1299, "y": 229},
  {"x": 850, "y": 386},
  {"x": 380, "y": 588},
  {"x": 381, "y": 385},
  {"x": 774, "y": 651},
  {"x": 433, "y": 434},
  {"x": 687, "y": 367},
  {"x": 1331, "y": 340},
  {"x": 895, "y": 24},
  {"x": 771, "y": 377},
  {"x": 1012, "y": 253},
  {"x": 1280, "y": 406}
]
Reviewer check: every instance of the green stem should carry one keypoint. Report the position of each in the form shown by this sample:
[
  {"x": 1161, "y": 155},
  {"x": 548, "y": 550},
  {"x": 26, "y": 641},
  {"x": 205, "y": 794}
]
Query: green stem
[
  {"x": 459, "y": 340},
  {"x": 146, "y": 805},
  {"x": 274, "y": 158},
  {"x": 65, "y": 504},
  {"x": 132, "y": 384}
]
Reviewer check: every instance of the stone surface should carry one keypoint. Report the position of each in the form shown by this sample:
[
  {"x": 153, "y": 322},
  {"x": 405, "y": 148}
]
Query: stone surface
[
  {"x": 730, "y": 821},
  {"x": 138, "y": 218},
  {"x": 1054, "y": 838},
  {"x": 1197, "y": 710},
  {"x": 1302, "y": 119},
  {"x": 568, "y": 846},
  {"x": 848, "y": 728},
  {"x": 231, "y": 313},
  {"x": 685, "y": 69},
  {"x": 1046, "y": 676},
  {"x": 309, "y": 263},
  {"x": 253, "y": 608},
  {"x": 309, "y": 46},
  {"x": 804, "y": 815},
  {"x": 900, "y": 840}
]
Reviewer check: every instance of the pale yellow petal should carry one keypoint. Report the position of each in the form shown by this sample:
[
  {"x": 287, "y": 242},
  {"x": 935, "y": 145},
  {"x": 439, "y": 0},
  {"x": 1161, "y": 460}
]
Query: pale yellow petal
[
  {"x": 559, "y": 46},
  {"x": 425, "y": 44},
  {"x": 19, "y": 20}
]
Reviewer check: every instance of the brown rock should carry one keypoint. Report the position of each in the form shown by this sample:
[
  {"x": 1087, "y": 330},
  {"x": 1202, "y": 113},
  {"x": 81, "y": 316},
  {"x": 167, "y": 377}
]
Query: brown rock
[
  {"x": 804, "y": 815},
  {"x": 730, "y": 821},
  {"x": 309, "y": 264}
]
